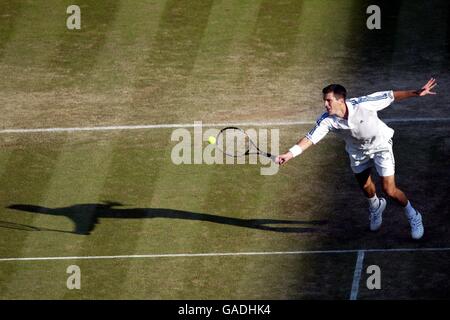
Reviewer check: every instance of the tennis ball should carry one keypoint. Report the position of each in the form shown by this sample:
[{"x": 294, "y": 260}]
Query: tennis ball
[{"x": 212, "y": 140}]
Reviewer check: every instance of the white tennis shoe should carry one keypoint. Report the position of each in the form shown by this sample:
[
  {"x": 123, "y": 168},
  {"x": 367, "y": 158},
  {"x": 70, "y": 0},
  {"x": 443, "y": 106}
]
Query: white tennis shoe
[
  {"x": 416, "y": 226},
  {"x": 376, "y": 216}
]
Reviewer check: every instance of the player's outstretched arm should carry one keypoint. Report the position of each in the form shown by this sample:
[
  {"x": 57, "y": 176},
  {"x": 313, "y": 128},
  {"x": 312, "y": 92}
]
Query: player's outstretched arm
[
  {"x": 425, "y": 90},
  {"x": 296, "y": 150}
]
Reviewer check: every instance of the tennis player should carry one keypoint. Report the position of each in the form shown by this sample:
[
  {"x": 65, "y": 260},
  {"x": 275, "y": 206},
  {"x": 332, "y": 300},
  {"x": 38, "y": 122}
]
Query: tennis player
[{"x": 368, "y": 142}]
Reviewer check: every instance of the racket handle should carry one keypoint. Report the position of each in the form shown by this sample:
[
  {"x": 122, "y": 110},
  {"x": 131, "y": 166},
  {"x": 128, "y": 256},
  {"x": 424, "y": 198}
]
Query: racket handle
[{"x": 271, "y": 156}]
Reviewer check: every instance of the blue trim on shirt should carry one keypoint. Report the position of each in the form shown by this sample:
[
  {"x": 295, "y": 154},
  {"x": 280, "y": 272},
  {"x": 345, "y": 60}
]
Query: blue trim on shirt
[
  {"x": 367, "y": 98},
  {"x": 323, "y": 116}
]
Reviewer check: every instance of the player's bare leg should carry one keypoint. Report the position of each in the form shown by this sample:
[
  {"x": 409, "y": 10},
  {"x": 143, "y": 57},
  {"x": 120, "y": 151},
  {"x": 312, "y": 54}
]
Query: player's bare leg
[
  {"x": 414, "y": 217},
  {"x": 376, "y": 205},
  {"x": 391, "y": 190},
  {"x": 365, "y": 183}
]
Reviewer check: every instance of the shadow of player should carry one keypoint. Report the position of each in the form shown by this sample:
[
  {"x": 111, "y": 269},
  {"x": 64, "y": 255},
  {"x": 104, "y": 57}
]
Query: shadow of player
[{"x": 86, "y": 216}]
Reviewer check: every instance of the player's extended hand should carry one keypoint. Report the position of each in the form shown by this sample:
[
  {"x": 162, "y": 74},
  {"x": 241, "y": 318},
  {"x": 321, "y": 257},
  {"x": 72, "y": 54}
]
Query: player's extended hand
[
  {"x": 426, "y": 89},
  {"x": 283, "y": 158}
]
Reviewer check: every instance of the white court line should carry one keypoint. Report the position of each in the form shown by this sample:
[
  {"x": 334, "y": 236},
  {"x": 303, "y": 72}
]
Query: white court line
[
  {"x": 192, "y": 125},
  {"x": 357, "y": 275},
  {"x": 218, "y": 254},
  {"x": 154, "y": 126}
]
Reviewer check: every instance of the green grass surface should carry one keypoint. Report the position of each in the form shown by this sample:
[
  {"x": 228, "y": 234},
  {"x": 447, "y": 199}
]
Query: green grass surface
[{"x": 149, "y": 62}]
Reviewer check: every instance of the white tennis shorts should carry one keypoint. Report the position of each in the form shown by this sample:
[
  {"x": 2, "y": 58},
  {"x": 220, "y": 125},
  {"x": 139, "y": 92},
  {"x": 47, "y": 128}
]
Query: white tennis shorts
[{"x": 383, "y": 160}]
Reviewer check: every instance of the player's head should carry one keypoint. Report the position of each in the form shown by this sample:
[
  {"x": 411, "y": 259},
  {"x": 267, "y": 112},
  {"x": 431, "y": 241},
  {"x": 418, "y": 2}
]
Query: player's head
[
  {"x": 333, "y": 95},
  {"x": 337, "y": 90}
]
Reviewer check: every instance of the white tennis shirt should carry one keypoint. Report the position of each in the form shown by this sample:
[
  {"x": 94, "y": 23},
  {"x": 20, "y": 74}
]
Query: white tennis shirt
[{"x": 363, "y": 131}]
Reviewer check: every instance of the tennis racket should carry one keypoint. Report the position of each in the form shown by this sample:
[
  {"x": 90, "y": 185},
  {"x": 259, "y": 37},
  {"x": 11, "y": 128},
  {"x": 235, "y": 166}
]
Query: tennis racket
[{"x": 235, "y": 142}]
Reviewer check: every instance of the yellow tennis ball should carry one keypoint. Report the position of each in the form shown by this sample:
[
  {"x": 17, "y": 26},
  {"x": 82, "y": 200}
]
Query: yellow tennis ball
[{"x": 212, "y": 140}]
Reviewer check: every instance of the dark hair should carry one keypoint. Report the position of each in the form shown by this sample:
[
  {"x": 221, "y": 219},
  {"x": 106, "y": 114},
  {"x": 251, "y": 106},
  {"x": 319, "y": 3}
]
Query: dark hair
[{"x": 338, "y": 90}]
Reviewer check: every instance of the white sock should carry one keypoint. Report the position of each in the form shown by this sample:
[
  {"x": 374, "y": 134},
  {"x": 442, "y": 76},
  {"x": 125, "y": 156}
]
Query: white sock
[
  {"x": 409, "y": 210},
  {"x": 374, "y": 202}
]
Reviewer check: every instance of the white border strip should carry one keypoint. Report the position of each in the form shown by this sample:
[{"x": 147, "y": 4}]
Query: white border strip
[
  {"x": 190, "y": 125},
  {"x": 218, "y": 254},
  {"x": 357, "y": 275}
]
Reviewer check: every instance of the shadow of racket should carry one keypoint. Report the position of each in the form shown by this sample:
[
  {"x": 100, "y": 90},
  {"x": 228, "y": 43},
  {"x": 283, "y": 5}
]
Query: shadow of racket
[{"x": 25, "y": 227}]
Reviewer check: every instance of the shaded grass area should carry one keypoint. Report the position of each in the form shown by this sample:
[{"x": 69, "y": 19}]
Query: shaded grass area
[
  {"x": 374, "y": 47},
  {"x": 312, "y": 203},
  {"x": 427, "y": 280}
]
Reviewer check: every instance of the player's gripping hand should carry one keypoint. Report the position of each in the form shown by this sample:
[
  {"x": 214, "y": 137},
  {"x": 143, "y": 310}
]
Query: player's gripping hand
[{"x": 283, "y": 158}]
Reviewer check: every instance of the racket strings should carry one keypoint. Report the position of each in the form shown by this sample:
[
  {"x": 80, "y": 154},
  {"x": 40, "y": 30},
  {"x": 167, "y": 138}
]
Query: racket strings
[{"x": 235, "y": 142}]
